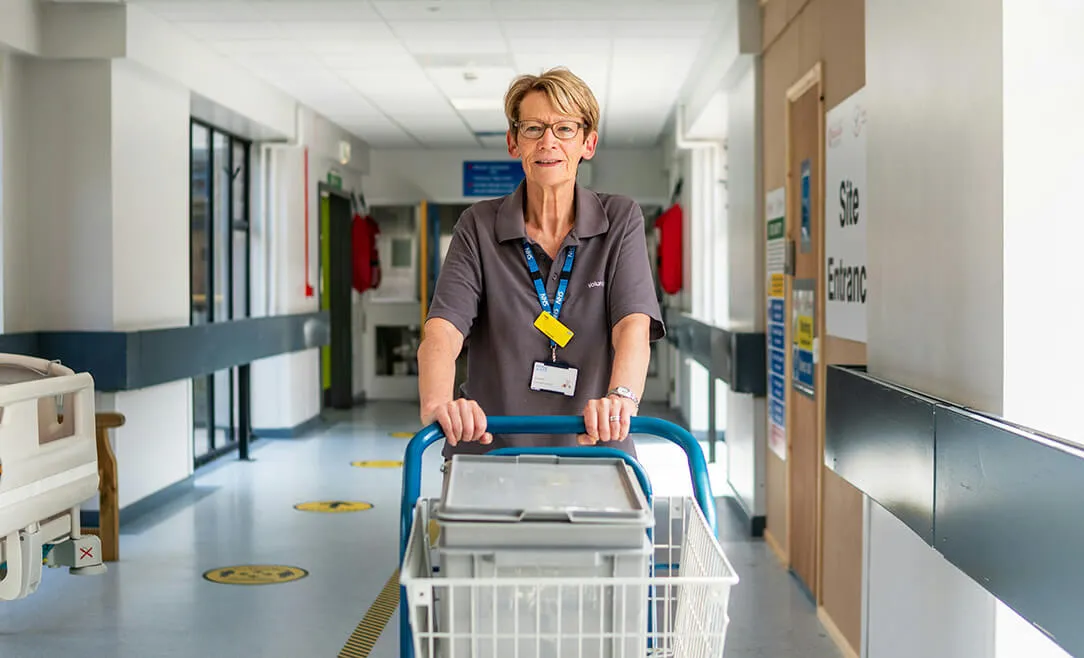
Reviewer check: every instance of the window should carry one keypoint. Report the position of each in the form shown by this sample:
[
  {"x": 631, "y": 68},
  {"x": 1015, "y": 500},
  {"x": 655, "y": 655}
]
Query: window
[{"x": 220, "y": 275}]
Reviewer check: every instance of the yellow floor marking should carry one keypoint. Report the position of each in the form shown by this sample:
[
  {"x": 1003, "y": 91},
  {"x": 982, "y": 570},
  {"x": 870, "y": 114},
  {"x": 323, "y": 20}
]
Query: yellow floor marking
[
  {"x": 334, "y": 506},
  {"x": 378, "y": 463},
  {"x": 368, "y": 631}
]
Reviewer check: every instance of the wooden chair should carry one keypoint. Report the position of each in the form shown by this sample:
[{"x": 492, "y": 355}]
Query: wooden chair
[{"x": 108, "y": 529}]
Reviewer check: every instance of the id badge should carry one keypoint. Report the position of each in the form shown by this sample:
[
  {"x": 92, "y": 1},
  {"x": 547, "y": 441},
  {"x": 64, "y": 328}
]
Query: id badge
[{"x": 554, "y": 378}]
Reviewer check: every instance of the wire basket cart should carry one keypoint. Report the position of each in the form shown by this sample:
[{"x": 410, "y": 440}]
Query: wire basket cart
[{"x": 667, "y": 599}]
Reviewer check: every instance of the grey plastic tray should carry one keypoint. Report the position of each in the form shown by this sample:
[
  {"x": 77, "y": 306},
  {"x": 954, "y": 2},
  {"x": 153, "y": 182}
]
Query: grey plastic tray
[
  {"x": 542, "y": 502},
  {"x": 543, "y": 488}
]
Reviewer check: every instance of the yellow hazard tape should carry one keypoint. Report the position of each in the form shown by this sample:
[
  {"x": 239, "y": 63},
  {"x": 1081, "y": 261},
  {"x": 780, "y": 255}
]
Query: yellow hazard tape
[{"x": 364, "y": 637}]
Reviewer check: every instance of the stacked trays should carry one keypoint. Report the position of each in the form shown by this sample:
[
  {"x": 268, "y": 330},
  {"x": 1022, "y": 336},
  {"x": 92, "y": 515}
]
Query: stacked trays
[{"x": 548, "y": 543}]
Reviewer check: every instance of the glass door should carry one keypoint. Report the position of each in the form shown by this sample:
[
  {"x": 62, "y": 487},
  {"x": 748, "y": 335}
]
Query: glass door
[{"x": 220, "y": 275}]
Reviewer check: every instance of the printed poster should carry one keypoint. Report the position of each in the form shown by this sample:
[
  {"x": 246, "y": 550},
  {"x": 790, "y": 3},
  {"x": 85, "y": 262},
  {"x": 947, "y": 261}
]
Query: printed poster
[
  {"x": 846, "y": 220},
  {"x": 775, "y": 261}
]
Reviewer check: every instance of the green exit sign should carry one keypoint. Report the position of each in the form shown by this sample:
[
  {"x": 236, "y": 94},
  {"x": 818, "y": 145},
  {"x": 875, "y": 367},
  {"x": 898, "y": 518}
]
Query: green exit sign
[{"x": 335, "y": 180}]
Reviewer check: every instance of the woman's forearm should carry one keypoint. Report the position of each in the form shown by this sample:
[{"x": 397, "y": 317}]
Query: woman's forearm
[
  {"x": 436, "y": 366},
  {"x": 632, "y": 353}
]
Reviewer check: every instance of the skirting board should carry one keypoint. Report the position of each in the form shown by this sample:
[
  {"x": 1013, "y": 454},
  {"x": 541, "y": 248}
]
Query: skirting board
[
  {"x": 780, "y": 554},
  {"x": 836, "y": 634},
  {"x": 755, "y": 524},
  {"x": 290, "y": 432},
  {"x": 144, "y": 506}
]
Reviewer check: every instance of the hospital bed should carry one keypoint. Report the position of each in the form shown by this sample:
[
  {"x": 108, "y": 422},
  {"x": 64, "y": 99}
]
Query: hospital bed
[{"x": 48, "y": 467}]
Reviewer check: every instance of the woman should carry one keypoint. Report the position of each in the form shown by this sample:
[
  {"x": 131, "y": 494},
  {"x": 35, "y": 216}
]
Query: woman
[{"x": 524, "y": 271}]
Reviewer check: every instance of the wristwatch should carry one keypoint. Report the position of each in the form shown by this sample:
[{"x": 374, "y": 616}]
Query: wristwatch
[{"x": 622, "y": 392}]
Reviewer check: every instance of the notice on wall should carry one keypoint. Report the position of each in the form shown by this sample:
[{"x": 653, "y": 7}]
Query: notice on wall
[
  {"x": 803, "y": 305},
  {"x": 845, "y": 220},
  {"x": 775, "y": 261},
  {"x": 806, "y": 206},
  {"x": 491, "y": 179}
]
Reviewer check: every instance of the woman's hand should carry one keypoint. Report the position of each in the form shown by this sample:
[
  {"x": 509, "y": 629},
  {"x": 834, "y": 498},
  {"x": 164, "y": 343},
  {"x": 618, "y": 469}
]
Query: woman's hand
[
  {"x": 607, "y": 419},
  {"x": 462, "y": 420}
]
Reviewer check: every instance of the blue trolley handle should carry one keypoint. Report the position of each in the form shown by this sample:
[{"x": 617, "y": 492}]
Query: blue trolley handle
[{"x": 412, "y": 472}]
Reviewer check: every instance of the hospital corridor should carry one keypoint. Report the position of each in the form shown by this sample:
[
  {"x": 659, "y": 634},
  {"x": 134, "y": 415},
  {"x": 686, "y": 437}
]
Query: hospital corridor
[{"x": 540, "y": 329}]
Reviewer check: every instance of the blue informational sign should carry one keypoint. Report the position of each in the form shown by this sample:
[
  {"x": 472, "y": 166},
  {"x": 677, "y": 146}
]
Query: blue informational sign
[
  {"x": 778, "y": 412},
  {"x": 803, "y": 369},
  {"x": 491, "y": 179},
  {"x": 777, "y": 336},
  {"x": 779, "y": 387},
  {"x": 775, "y": 310},
  {"x": 778, "y": 364},
  {"x": 807, "y": 229}
]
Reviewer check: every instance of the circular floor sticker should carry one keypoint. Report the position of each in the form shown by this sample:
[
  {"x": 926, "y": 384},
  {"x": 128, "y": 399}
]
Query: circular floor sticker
[
  {"x": 402, "y": 435},
  {"x": 378, "y": 463},
  {"x": 255, "y": 574}
]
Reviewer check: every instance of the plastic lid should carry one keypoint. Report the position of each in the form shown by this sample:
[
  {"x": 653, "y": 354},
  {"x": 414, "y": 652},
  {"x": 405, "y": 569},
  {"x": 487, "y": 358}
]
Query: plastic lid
[{"x": 543, "y": 488}]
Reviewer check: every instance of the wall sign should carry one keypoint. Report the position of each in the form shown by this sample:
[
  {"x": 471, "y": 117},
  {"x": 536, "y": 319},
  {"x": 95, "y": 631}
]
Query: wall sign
[
  {"x": 775, "y": 262},
  {"x": 845, "y": 220},
  {"x": 807, "y": 228},
  {"x": 491, "y": 179},
  {"x": 803, "y": 305}
]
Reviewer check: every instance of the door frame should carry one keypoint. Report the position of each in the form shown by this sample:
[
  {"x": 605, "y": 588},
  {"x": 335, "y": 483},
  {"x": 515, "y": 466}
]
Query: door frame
[{"x": 812, "y": 79}]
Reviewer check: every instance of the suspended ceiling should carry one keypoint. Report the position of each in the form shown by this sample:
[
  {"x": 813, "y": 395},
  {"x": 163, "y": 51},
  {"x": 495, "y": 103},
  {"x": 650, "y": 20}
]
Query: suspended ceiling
[{"x": 432, "y": 73}]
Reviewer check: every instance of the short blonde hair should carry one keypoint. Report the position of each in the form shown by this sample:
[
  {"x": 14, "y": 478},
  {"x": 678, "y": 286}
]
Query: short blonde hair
[{"x": 565, "y": 91}]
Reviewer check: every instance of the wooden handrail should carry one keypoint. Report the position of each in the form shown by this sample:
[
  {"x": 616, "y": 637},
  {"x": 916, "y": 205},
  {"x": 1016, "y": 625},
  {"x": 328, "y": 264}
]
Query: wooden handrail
[{"x": 108, "y": 529}]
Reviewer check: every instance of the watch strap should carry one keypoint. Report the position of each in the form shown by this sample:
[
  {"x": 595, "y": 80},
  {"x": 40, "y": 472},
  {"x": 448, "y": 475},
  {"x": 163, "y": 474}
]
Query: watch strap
[{"x": 622, "y": 392}]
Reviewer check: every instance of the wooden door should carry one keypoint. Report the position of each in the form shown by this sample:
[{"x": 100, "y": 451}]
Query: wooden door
[{"x": 805, "y": 112}]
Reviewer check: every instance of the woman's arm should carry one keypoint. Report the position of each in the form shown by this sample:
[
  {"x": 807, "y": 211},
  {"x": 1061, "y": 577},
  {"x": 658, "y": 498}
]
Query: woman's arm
[
  {"x": 632, "y": 353},
  {"x": 437, "y": 353},
  {"x": 461, "y": 420},
  {"x": 631, "y": 338}
]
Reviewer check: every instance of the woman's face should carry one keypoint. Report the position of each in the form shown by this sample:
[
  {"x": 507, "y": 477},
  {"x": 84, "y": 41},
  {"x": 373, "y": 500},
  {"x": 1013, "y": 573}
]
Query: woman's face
[{"x": 549, "y": 160}]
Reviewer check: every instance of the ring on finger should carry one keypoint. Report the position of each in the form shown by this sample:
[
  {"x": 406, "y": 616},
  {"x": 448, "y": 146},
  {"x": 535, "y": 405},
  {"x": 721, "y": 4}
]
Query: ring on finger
[{"x": 615, "y": 419}]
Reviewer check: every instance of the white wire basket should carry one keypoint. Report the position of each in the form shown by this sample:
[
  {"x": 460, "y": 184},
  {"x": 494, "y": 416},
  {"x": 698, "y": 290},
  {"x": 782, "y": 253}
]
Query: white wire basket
[{"x": 679, "y": 609}]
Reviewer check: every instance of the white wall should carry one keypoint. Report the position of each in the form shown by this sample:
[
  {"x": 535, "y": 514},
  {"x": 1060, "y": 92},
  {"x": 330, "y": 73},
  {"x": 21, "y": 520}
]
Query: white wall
[
  {"x": 408, "y": 176},
  {"x": 935, "y": 175},
  {"x": 920, "y": 604},
  {"x": 935, "y": 323},
  {"x": 746, "y": 418},
  {"x": 150, "y": 153},
  {"x": 19, "y": 25},
  {"x": 69, "y": 195},
  {"x": 1043, "y": 139}
]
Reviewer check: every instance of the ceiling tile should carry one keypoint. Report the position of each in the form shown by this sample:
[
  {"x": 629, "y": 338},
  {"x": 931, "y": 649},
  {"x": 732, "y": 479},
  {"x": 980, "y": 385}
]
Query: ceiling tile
[
  {"x": 485, "y": 83},
  {"x": 495, "y": 142},
  {"x": 231, "y": 48},
  {"x": 200, "y": 10},
  {"x": 492, "y": 45},
  {"x": 554, "y": 27},
  {"x": 446, "y": 30},
  {"x": 433, "y": 10},
  {"x": 485, "y": 120},
  {"x": 230, "y": 30},
  {"x": 557, "y": 47},
  {"x": 358, "y": 31},
  {"x": 307, "y": 10},
  {"x": 364, "y": 59}
]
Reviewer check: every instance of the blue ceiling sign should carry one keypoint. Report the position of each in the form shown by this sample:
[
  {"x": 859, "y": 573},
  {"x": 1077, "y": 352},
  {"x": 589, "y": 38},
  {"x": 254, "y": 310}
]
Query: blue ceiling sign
[{"x": 491, "y": 179}]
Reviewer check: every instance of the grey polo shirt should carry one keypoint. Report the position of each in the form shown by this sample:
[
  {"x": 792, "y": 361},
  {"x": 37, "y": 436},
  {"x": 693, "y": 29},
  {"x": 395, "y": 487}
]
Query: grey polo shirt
[{"x": 486, "y": 291}]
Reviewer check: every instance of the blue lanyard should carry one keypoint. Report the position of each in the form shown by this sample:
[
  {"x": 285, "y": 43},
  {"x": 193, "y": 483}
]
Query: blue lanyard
[{"x": 540, "y": 288}]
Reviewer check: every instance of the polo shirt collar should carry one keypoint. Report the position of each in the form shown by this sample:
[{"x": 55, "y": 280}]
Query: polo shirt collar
[{"x": 591, "y": 217}]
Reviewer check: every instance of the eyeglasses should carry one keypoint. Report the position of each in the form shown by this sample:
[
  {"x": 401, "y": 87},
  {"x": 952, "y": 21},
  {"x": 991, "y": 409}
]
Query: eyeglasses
[{"x": 563, "y": 130}]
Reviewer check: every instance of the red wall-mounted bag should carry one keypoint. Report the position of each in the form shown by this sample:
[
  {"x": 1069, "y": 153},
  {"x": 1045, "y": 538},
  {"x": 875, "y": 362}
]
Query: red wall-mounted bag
[
  {"x": 364, "y": 230},
  {"x": 670, "y": 249}
]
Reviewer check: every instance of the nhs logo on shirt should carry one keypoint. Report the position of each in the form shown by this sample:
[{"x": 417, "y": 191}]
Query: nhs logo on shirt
[{"x": 596, "y": 284}]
